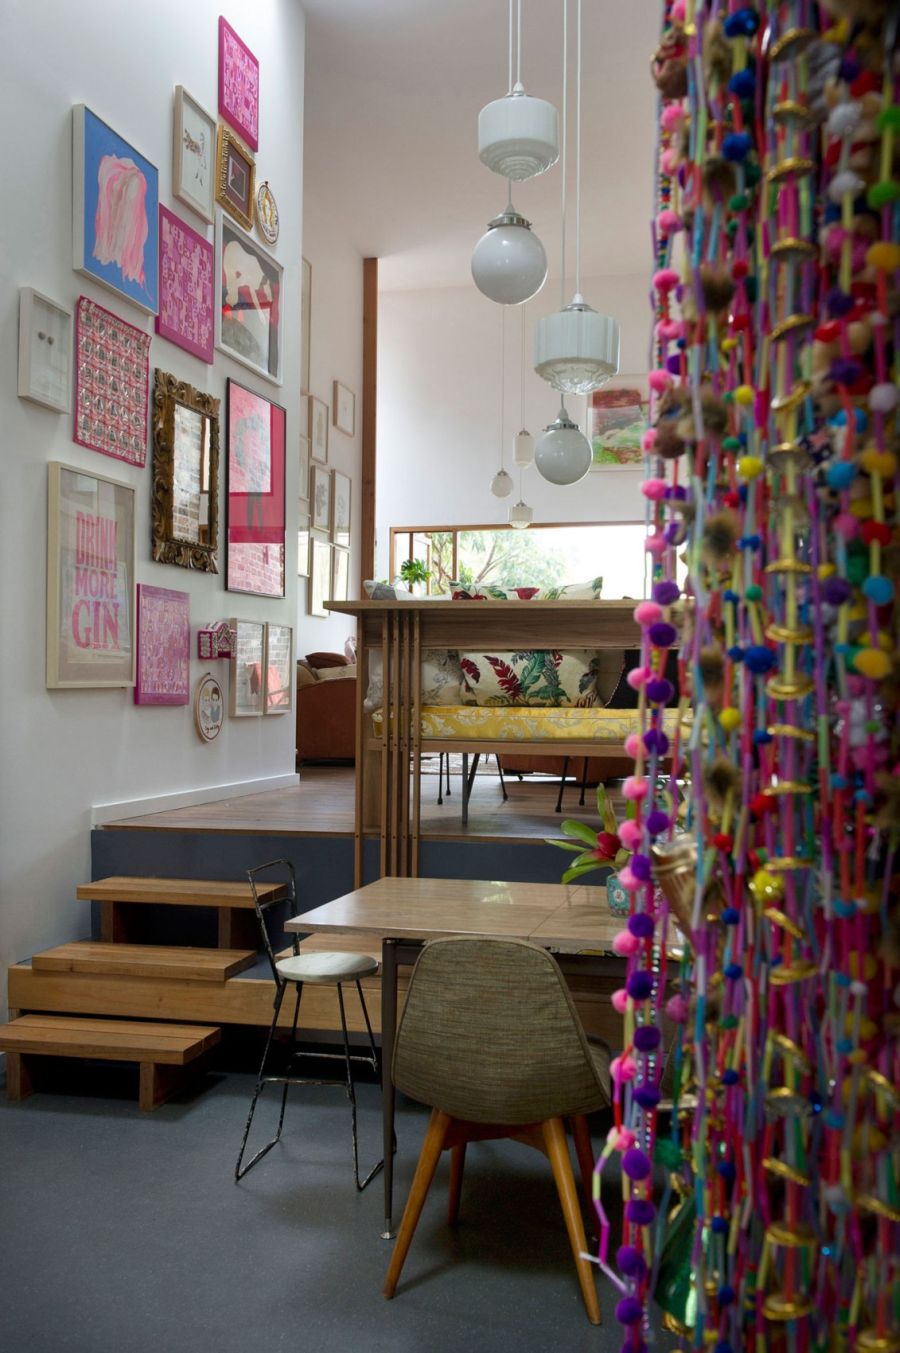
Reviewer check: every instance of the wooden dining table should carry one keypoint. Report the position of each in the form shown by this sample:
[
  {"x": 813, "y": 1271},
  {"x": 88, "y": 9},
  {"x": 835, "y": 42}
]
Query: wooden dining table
[{"x": 403, "y": 914}]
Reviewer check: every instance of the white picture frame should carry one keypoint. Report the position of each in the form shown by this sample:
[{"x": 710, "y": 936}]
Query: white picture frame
[
  {"x": 319, "y": 576},
  {"x": 280, "y": 676},
  {"x": 249, "y": 651},
  {"x": 261, "y": 275},
  {"x": 194, "y": 155},
  {"x": 318, "y": 430},
  {"x": 340, "y": 575},
  {"x": 343, "y": 408},
  {"x": 45, "y": 351},
  {"x": 341, "y": 487},
  {"x": 303, "y": 541},
  {"x": 320, "y": 498}
]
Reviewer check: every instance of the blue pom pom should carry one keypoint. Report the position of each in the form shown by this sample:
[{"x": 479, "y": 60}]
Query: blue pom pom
[
  {"x": 833, "y": 1119},
  {"x": 719, "y": 1225},
  {"x": 840, "y": 475},
  {"x": 731, "y": 916},
  {"x": 759, "y": 659},
  {"x": 742, "y": 84},
  {"x": 862, "y": 796},
  {"x": 730, "y": 595},
  {"x": 726, "y": 1295},
  {"x": 846, "y": 910},
  {"x": 761, "y": 737},
  {"x": 749, "y": 543},
  {"x": 878, "y": 589},
  {"x": 844, "y": 1045},
  {"x": 726, "y": 1170},
  {"x": 730, "y": 1077},
  {"x": 839, "y": 419},
  {"x": 736, "y": 146},
  {"x": 842, "y": 979},
  {"x": 733, "y": 971},
  {"x": 736, "y": 653},
  {"x": 838, "y": 781}
]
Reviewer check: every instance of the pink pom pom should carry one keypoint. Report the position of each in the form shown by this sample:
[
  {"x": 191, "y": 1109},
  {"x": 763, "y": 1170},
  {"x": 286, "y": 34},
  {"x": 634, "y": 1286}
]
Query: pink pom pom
[
  {"x": 883, "y": 398},
  {"x": 665, "y": 279},
  {"x": 668, "y": 222},
  {"x": 659, "y": 380},
  {"x": 648, "y": 612},
  {"x": 629, "y": 881},
  {"x": 629, "y": 832},
  {"x": 632, "y": 747},
  {"x": 648, "y": 441},
  {"x": 623, "y": 1069},
  {"x": 621, "y": 1139},
  {"x": 637, "y": 677},
  {"x": 655, "y": 544},
  {"x": 672, "y": 116},
  {"x": 668, "y": 161},
  {"x": 847, "y": 525},
  {"x": 677, "y": 1009},
  {"x": 635, "y": 788},
  {"x": 620, "y": 1001},
  {"x": 625, "y": 944},
  {"x": 669, "y": 329},
  {"x": 679, "y": 10},
  {"x": 654, "y": 489}
]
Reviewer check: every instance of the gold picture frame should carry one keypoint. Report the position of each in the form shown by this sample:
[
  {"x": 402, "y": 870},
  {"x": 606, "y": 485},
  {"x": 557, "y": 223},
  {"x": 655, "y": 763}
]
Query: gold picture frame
[
  {"x": 184, "y": 510},
  {"x": 235, "y": 178}
]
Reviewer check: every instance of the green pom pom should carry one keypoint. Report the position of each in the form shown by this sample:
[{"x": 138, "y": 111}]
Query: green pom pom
[
  {"x": 739, "y": 202},
  {"x": 729, "y": 1022},
  {"x": 751, "y": 288},
  {"x": 731, "y": 229},
  {"x": 857, "y": 568},
  {"x": 752, "y": 174},
  {"x": 883, "y": 193},
  {"x": 667, "y": 1153},
  {"x": 731, "y": 443},
  {"x": 889, "y": 118},
  {"x": 753, "y": 592}
]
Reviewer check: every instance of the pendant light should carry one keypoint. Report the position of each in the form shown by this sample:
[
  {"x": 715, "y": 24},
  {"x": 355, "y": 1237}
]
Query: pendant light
[
  {"x": 518, "y": 135},
  {"x": 509, "y": 263},
  {"x": 523, "y": 442},
  {"x": 563, "y": 454},
  {"x": 577, "y": 349},
  {"x": 520, "y": 514},
  {"x": 501, "y": 484}
]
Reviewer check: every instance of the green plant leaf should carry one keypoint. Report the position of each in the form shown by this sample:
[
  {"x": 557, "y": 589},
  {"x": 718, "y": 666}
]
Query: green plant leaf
[
  {"x": 580, "y": 830},
  {"x": 563, "y": 845},
  {"x": 576, "y": 871}
]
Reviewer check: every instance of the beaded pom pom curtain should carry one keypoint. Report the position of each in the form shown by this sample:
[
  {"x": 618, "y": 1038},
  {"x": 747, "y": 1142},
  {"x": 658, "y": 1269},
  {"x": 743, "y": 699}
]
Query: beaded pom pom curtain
[{"x": 772, "y": 471}]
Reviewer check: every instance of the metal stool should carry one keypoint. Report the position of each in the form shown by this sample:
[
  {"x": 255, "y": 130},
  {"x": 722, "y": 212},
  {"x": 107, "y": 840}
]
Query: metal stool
[{"x": 326, "y": 969}]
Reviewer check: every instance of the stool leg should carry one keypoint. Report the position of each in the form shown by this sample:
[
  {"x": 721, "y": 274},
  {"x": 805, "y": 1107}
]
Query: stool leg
[
  {"x": 502, "y": 781},
  {"x": 362, "y": 1001},
  {"x": 351, "y": 1095},
  {"x": 584, "y": 769},
  {"x": 428, "y": 1159},
  {"x": 562, "y": 784},
  {"x": 440, "y": 797},
  {"x": 239, "y": 1172},
  {"x": 465, "y": 788}
]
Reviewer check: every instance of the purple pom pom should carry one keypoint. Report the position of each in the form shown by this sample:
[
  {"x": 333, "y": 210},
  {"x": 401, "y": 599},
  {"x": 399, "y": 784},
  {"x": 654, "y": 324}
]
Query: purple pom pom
[
  {"x": 629, "y": 1311},
  {"x": 647, "y": 1096},
  {"x": 658, "y": 822},
  {"x": 641, "y": 924},
  {"x": 635, "y": 1163},
  {"x": 630, "y": 1346},
  {"x": 837, "y": 591},
  {"x": 674, "y": 534},
  {"x": 659, "y": 690},
  {"x": 678, "y": 493},
  {"x": 662, "y": 634},
  {"x": 630, "y": 1261},
  {"x": 839, "y": 303},
  {"x": 655, "y": 740},
  {"x": 647, "y": 1038},
  {"x": 849, "y": 68},
  {"x": 845, "y": 370},
  {"x": 640, "y": 1211},
  {"x": 640, "y": 867},
  {"x": 673, "y": 363},
  {"x": 666, "y": 593},
  {"x": 639, "y": 985}
]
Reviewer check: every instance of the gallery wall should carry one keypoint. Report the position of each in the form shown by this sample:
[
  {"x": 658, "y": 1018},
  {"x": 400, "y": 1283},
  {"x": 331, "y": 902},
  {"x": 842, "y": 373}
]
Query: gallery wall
[
  {"x": 64, "y": 752},
  {"x": 437, "y": 450}
]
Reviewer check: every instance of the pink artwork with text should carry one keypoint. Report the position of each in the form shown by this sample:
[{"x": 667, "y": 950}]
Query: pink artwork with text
[
  {"x": 238, "y": 84},
  {"x": 163, "y": 647},
  {"x": 186, "y": 268}
]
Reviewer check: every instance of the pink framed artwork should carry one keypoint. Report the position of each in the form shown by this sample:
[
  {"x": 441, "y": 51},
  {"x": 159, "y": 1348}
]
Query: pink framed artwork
[
  {"x": 238, "y": 84},
  {"x": 163, "y": 647},
  {"x": 254, "y": 493},
  {"x": 186, "y": 263},
  {"x": 112, "y": 374}
]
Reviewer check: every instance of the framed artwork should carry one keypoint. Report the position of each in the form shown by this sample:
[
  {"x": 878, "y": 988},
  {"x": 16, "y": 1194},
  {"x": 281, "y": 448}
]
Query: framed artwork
[
  {"x": 184, "y": 526},
  {"x": 192, "y": 158},
  {"x": 343, "y": 408},
  {"x": 303, "y": 481},
  {"x": 340, "y": 575},
  {"x": 303, "y": 542},
  {"x": 235, "y": 178},
  {"x": 318, "y": 430},
  {"x": 186, "y": 263},
  {"x": 305, "y": 323},
  {"x": 248, "y": 304},
  {"x": 617, "y": 421},
  {"x": 320, "y": 498},
  {"x": 45, "y": 350},
  {"x": 90, "y": 579},
  {"x": 278, "y": 697},
  {"x": 267, "y": 213},
  {"x": 209, "y": 707},
  {"x": 340, "y": 509},
  {"x": 255, "y": 437},
  {"x": 246, "y": 685},
  {"x": 238, "y": 84},
  {"x": 319, "y": 576},
  {"x": 112, "y": 376},
  {"x": 163, "y": 647},
  {"x": 115, "y": 200}
]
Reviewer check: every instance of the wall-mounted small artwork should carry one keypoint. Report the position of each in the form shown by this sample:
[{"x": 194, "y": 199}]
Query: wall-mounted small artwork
[
  {"x": 246, "y": 687},
  {"x": 194, "y": 155},
  {"x": 185, "y": 507},
  {"x": 340, "y": 509},
  {"x": 235, "y": 178},
  {"x": 255, "y": 493},
  {"x": 267, "y": 213},
  {"x": 343, "y": 408},
  {"x": 249, "y": 301},
  {"x": 340, "y": 575},
  {"x": 45, "y": 350},
  {"x": 115, "y": 200},
  {"x": 318, "y": 430},
  {"x": 319, "y": 576},
  {"x": 238, "y": 84},
  {"x": 617, "y": 421},
  {"x": 320, "y": 497},
  {"x": 280, "y": 677},
  {"x": 186, "y": 268},
  {"x": 112, "y": 375},
  {"x": 163, "y": 647},
  {"x": 209, "y": 707}
]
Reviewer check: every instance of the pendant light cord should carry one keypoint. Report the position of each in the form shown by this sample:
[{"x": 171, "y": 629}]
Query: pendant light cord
[
  {"x": 578, "y": 154},
  {"x": 564, "y": 156},
  {"x": 510, "y": 89},
  {"x": 522, "y": 372},
  {"x": 518, "y": 42},
  {"x": 502, "y": 376}
]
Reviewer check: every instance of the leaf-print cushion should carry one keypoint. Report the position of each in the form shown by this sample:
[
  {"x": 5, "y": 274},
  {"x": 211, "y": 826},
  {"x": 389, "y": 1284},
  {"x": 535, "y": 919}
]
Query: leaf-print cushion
[
  {"x": 589, "y": 591},
  {"x": 441, "y": 677},
  {"x": 534, "y": 677}
]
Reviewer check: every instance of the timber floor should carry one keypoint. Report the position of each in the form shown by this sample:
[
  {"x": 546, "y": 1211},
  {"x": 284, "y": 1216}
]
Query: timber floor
[{"x": 322, "y": 805}]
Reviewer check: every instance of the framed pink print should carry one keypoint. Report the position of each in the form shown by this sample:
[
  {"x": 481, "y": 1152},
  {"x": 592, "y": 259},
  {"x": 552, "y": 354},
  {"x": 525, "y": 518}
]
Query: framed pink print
[
  {"x": 238, "y": 84},
  {"x": 254, "y": 493},
  {"x": 112, "y": 374},
  {"x": 186, "y": 265},
  {"x": 163, "y": 647}
]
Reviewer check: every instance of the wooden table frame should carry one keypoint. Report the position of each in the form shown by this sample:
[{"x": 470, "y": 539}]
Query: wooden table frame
[{"x": 402, "y": 630}]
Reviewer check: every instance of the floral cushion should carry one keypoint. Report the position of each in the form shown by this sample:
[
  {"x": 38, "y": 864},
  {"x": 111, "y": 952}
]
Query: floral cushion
[
  {"x": 441, "y": 677},
  {"x": 532, "y": 677},
  {"x": 589, "y": 591}
]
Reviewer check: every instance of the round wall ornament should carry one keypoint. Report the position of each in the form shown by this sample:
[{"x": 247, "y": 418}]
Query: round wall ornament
[
  {"x": 267, "y": 213},
  {"x": 209, "y": 707}
]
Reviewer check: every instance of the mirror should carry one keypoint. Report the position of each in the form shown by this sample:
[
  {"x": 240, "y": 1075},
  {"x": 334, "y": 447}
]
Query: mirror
[{"x": 185, "y": 474}]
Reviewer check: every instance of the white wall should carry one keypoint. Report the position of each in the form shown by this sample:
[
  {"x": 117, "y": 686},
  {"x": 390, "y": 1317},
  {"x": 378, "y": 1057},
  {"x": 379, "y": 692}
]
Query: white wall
[
  {"x": 335, "y": 354},
  {"x": 63, "y": 751},
  {"x": 439, "y": 408}
]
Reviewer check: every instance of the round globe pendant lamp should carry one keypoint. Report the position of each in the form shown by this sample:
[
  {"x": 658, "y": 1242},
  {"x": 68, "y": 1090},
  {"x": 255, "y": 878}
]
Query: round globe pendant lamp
[
  {"x": 563, "y": 454},
  {"x": 501, "y": 484},
  {"x": 518, "y": 135},
  {"x": 509, "y": 263}
]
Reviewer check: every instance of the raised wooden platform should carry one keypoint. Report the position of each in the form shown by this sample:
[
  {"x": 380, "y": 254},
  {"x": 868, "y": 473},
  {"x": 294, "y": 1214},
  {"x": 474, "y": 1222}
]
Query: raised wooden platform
[
  {"x": 118, "y": 893},
  {"x": 145, "y": 960}
]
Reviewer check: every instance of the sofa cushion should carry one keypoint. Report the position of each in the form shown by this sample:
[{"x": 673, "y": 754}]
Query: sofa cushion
[
  {"x": 441, "y": 678},
  {"x": 589, "y": 591},
  {"x": 306, "y": 675},
  {"x": 347, "y": 673},
  {"x": 464, "y": 723},
  {"x": 321, "y": 660},
  {"x": 532, "y": 677}
]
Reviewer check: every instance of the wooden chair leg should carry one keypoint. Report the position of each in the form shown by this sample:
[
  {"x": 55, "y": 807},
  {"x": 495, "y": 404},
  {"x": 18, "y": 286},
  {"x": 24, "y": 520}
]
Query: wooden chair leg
[
  {"x": 457, "y": 1164},
  {"x": 585, "y": 1154},
  {"x": 429, "y": 1156},
  {"x": 558, "y": 1151}
]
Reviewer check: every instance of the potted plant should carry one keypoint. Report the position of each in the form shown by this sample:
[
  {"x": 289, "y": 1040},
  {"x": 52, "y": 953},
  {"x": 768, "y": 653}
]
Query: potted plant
[
  {"x": 598, "y": 849},
  {"x": 414, "y": 574}
]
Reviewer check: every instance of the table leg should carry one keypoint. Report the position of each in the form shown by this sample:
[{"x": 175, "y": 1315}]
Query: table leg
[{"x": 388, "y": 1028}]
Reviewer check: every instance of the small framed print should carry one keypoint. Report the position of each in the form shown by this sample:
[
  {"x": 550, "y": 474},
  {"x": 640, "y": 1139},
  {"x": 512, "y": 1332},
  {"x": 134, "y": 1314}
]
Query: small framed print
[
  {"x": 163, "y": 646},
  {"x": 246, "y": 686},
  {"x": 193, "y": 151},
  {"x": 45, "y": 350},
  {"x": 209, "y": 707},
  {"x": 249, "y": 309},
  {"x": 303, "y": 542},
  {"x": 340, "y": 575},
  {"x": 318, "y": 430},
  {"x": 280, "y": 678},
  {"x": 238, "y": 84},
  {"x": 186, "y": 286},
  {"x": 235, "y": 178},
  {"x": 319, "y": 576},
  {"x": 343, "y": 409},
  {"x": 320, "y": 497},
  {"x": 340, "y": 509}
]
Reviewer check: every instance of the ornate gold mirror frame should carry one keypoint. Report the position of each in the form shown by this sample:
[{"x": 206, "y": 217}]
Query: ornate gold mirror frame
[{"x": 179, "y": 533}]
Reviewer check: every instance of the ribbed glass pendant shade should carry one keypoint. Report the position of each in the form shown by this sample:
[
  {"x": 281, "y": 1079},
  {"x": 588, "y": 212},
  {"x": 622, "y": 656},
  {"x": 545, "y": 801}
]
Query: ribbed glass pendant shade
[
  {"x": 523, "y": 449},
  {"x": 563, "y": 454},
  {"x": 520, "y": 516},
  {"x": 509, "y": 264},
  {"x": 576, "y": 349},
  {"x": 518, "y": 136}
]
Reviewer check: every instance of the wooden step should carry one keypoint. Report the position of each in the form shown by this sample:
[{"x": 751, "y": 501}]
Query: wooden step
[
  {"x": 161, "y": 1050},
  {"x": 145, "y": 960},
  {"x": 120, "y": 892}
]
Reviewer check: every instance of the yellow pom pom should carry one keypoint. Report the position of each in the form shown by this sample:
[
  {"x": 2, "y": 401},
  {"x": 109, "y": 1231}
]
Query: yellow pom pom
[
  {"x": 744, "y": 394},
  {"x": 766, "y": 887},
  {"x": 749, "y": 467},
  {"x": 730, "y": 719},
  {"x": 862, "y": 508},
  {"x": 884, "y": 256},
  {"x": 826, "y": 571},
  {"x": 728, "y": 344},
  {"x": 872, "y": 663},
  {"x": 874, "y": 461},
  {"x": 857, "y": 1057},
  {"x": 884, "y": 641},
  {"x": 858, "y": 611}
]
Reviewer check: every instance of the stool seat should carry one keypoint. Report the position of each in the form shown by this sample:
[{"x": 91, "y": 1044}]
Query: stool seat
[{"x": 326, "y": 968}]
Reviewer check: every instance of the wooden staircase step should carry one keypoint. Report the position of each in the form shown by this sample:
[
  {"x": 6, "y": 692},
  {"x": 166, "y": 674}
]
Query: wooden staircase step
[
  {"x": 178, "y": 892},
  {"x": 145, "y": 960}
]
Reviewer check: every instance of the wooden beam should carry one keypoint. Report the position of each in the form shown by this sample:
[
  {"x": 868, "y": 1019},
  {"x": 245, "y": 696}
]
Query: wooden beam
[{"x": 369, "y": 412}]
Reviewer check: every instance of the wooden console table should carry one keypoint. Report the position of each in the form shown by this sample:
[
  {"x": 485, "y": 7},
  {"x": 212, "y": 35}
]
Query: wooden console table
[{"x": 387, "y": 804}]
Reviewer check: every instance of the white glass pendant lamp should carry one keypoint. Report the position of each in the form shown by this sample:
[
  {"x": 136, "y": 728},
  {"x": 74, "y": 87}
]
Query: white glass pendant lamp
[
  {"x": 520, "y": 516},
  {"x": 501, "y": 484},
  {"x": 509, "y": 264},
  {"x": 563, "y": 454},
  {"x": 518, "y": 135}
]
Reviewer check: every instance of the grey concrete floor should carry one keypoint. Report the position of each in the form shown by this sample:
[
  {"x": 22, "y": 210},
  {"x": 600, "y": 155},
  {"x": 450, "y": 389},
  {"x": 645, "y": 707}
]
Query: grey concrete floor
[{"x": 123, "y": 1232}]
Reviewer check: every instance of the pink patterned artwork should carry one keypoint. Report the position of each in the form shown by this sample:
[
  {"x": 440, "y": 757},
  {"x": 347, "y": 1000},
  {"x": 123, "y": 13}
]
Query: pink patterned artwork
[
  {"x": 112, "y": 371},
  {"x": 163, "y": 647},
  {"x": 186, "y": 262},
  {"x": 238, "y": 84}
]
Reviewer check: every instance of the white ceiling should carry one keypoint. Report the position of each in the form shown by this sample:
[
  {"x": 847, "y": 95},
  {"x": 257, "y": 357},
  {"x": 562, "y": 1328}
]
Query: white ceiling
[{"x": 393, "y": 91}]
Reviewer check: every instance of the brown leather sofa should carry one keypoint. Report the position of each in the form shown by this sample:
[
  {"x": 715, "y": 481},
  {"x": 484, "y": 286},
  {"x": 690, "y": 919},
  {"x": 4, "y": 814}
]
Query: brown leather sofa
[{"x": 326, "y": 715}]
